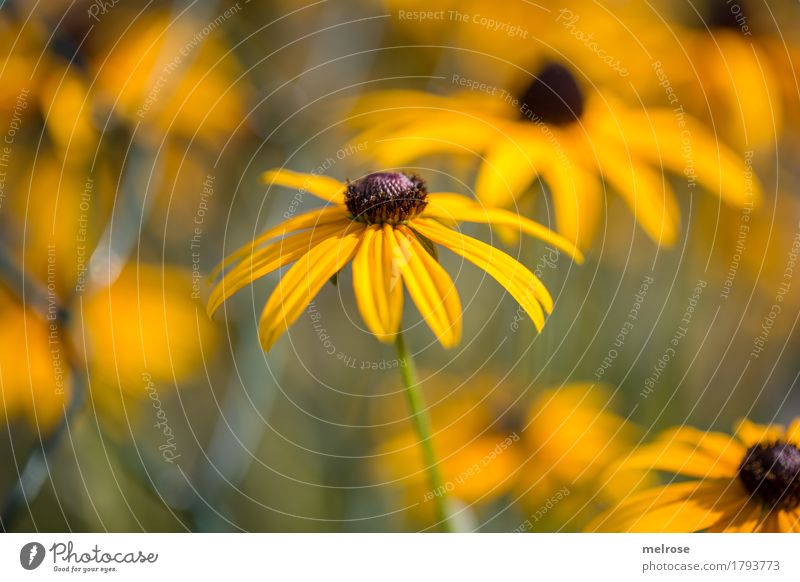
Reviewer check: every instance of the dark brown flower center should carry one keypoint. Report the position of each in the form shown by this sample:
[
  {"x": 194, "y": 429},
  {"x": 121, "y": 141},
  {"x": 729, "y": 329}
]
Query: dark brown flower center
[
  {"x": 386, "y": 197},
  {"x": 727, "y": 15},
  {"x": 553, "y": 97},
  {"x": 771, "y": 472}
]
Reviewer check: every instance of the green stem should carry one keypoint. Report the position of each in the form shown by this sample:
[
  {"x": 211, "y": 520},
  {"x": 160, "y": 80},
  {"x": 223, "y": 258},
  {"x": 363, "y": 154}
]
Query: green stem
[{"x": 422, "y": 424}]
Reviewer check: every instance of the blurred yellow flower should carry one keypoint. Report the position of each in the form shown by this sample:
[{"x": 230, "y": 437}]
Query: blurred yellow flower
[
  {"x": 466, "y": 426},
  {"x": 38, "y": 82},
  {"x": 34, "y": 367},
  {"x": 387, "y": 224},
  {"x": 576, "y": 435},
  {"x": 746, "y": 483},
  {"x": 728, "y": 63},
  {"x": 67, "y": 111},
  {"x": 725, "y": 63},
  {"x": 62, "y": 207},
  {"x": 143, "y": 328},
  {"x": 551, "y": 460},
  {"x": 20, "y": 48},
  {"x": 174, "y": 75},
  {"x": 145, "y": 323},
  {"x": 570, "y": 136}
]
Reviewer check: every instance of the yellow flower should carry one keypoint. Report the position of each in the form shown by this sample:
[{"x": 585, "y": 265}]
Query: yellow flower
[
  {"x": 20, "y": 47},
  {"x": 722, "y": 62},
  {"x": 387, "y": 224},
  {"x": 36, "y": 78},
  {"x": 572, "y": 435},
  {"x": 57, "y": 218},
  {"x": 138, "y": 328},
  {"x": 34, "y": 368},
  {"x": 731, "y": 67},
  {"x": 549, "y": 455},
  {"x": 171, "y": 74},
  {"x": 568, "y": 135},
  {"x": 133, "y": 332},
  {"x": 746, "y": 483},
  {"x": 467, "y": 424}
]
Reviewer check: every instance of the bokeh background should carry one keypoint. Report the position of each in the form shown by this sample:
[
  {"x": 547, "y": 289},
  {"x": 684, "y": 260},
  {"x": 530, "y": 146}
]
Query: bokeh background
[{"x": 134, "y": 135}]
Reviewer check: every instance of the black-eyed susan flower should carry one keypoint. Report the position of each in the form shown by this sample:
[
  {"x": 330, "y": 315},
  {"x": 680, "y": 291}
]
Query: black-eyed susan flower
[
  {"x": 36, "y": 78},
  {"x": 63, "y": 208},
  {"x": 749, "y": 482},
  {"x": 733, "y": 67},
  {"x": 387, "y": 224},
  {"x": 136, "y": 327},
  {"x": 158, "y": 71},
  {"x": 575, "y": 138},
  {"x": 124, "y": 331},
  {"x": 575, "y": 433},
  {"x": 35, "y": 376},
  {"x": 546, "y": 456},
  {"x": 728, "y": 64}
]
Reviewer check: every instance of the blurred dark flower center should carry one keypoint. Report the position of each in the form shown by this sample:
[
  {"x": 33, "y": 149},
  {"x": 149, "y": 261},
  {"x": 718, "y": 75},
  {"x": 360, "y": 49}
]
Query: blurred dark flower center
[
  {"x": 772, "y": 473},
  {"x": 386, "y": 197},
  {"x": 727, "y": 15},
  {"x": 553, "y": 97}
]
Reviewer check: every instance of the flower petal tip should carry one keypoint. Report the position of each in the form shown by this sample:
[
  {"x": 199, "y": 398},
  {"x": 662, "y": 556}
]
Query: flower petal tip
[{"x": 268, "y": 177}]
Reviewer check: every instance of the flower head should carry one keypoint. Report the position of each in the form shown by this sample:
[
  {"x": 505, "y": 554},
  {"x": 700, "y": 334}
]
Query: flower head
[
  {"x": 386, "y": 223},
  {"x": 577, "y": 140},
  {"x": 746, "y": 483},
  {"x": 551, "y": 452},
  {"x": 201, "y": 98},
  {"x": 386, "y": 197},
  {"x": 34, "y": 375},
  {"x": 734, "y": 71},
  {"x": 116, "y": 334}
]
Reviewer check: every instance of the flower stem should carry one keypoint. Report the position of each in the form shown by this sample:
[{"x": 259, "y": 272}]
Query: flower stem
[{"x": 422, "y": 424}]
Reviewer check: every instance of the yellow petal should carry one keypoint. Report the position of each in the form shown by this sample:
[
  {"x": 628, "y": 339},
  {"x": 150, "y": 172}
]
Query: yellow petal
[
  {"x": 684, "y": 507},
  {"x": 387, "y": 104},
  {"x": 436, "y": 134},
  {"x": 678, "y": 458},
  {"x": 793, "y": 432},
  {"x": 638, "y": 503},
  {"x": 459, "y": 208},
  {"x": 647, "y": 193},
  {"x": 751, "y": 433},
  {"x": 515, "y": 277},
  {"x": 726, "y": 450},
  {"x": 378, "y": 124},
  {"x": 788, "y": 521},
  {"x": 320, "y": 186},
  {"x": 508, "y": 170},
  {"x": 429, "y": 285},
  {"x": 685, "y": 517},
  {"x": 379, "y": 292},
  {"x": 303, "y": 281},
  {"x": 392, "y": 280},
  {"x": 744, "y": 521},
  {"x": 267, "y": 259},
  {"x": 749, "y": 94},
  {"x": 577, "y": 200},
  {"x": 145, "y": 321},
  {"x": 691, "y": 150},
  {"x": 311, "y": 219}
]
